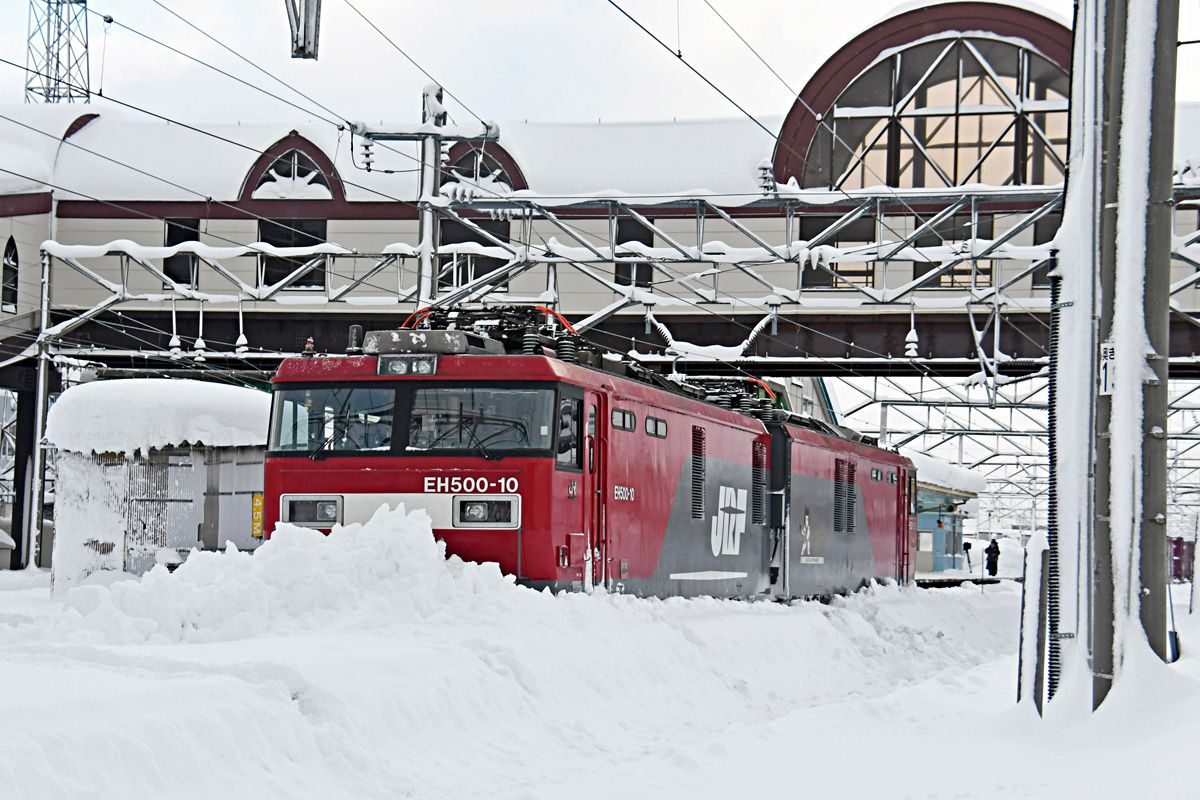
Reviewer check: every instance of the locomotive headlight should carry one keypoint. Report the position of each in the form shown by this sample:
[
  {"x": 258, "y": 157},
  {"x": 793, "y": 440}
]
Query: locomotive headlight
[
  {"x": 486, "y": 512},
  {"x": 476, "y": 511},
  {"x": 313, "y": 512},
  {"x": 407, "y": 365}
]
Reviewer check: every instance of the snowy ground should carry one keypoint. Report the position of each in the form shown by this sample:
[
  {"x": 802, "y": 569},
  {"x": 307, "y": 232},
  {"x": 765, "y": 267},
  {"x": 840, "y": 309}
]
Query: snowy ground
[{"x": 364, "y": 665}]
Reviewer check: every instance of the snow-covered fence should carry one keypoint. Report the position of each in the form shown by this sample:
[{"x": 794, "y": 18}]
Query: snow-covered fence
[{"x": 149, "y": 469}]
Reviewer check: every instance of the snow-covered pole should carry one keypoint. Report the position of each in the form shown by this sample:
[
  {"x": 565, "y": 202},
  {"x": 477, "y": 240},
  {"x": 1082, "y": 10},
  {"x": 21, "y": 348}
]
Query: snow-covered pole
[
  {"x": 37, "y": 482},
  {"x": 1139, "y": 79},
  {"x": 1152, "y": 547},
  {"x": 432, "y": 113}
]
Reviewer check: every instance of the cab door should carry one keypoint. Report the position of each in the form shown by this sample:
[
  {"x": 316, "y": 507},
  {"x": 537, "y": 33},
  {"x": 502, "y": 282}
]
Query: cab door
[
  {"x": 595, "y": 490},
  {"x": 905, "y": 523}
]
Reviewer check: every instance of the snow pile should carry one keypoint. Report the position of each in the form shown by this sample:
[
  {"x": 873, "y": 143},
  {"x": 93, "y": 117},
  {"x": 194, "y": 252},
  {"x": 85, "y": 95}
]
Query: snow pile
[
  {"x": 140, "y": 414},
  {"x": 301, "y": 579},
  {"x": 90, "y": 519},
  {"x": 936, "y": 472},
  {"x": 366, "y": 664}
]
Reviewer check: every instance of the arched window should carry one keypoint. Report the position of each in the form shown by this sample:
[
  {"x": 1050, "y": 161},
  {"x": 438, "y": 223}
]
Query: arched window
[
  {"x": 293, "y": 176},
  {"x": 476, "y": 165},
  {"x": 475, "y": 170},
  {"x": 8, "y": 277},
  {"x": 947, "y": 110}
]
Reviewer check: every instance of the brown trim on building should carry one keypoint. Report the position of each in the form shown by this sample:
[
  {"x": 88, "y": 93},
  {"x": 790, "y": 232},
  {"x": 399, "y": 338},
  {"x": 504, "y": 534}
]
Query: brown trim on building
[
  {"x": 79, "y": 124},
  {"x": 1051, "y": 38},
  {"x": 248, "y": 209},
  {"x": 388, "y": 210},
  {"x": 20, "y": 205}
]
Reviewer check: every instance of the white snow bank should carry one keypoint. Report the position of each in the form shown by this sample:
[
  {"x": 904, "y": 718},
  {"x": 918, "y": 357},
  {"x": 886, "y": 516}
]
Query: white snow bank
[
  {"x": 374, "y": 656},
  {"x": 6, "y": 541},
  {"x": 389, "y": 568},
  {"x": 139, "y": 414},
  {"x": 355, "y": 662},
  {"x": 943, "y": 474}
]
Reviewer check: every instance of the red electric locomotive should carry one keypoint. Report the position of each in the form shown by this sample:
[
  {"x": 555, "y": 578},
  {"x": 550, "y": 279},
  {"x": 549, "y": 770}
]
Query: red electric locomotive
[{"x": 573, "y": 469}]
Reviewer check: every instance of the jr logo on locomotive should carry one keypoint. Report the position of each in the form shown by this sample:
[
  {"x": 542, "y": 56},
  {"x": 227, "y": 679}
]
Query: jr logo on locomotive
[{"x": 729, "y": 523}]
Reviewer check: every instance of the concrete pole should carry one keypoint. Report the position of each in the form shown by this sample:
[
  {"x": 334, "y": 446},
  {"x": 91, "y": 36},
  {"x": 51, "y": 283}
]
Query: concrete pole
[
  {"x": 1159, "y": 229},
  {"x": 1152, "y": 524},
  {"x": 1102, "y": 576}
]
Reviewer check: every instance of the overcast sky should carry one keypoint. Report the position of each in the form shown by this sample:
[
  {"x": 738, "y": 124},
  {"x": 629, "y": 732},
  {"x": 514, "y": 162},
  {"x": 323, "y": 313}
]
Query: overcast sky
[{"x": 569, "y": 60}]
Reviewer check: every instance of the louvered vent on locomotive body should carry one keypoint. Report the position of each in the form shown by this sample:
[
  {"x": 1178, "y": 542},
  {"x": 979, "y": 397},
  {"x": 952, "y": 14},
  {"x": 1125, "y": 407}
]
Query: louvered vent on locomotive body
[
  {"x": 758, "y": 485},
  {"x": 845, "y": 495},
  {"x": 698, "y": 470}
]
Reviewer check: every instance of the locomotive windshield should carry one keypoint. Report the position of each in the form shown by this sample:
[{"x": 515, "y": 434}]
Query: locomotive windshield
[
  {"x": 477, "y": 418},
  {"x": 468, "y": 419},
  {"x": 333, "y": 418}
]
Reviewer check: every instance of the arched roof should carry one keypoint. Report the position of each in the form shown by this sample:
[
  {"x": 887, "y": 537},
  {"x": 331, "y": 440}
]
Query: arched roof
[{"x": 1049, "y": 37}]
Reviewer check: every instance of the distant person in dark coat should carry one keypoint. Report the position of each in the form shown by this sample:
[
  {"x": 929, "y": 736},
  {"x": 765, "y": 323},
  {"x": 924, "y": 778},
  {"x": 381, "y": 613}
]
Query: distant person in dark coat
[{"x": 992, "y": 551}]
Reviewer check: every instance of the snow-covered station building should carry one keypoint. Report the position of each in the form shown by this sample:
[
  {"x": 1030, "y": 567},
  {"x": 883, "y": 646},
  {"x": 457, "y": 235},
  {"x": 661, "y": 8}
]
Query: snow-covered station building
[{"x": 915, "y": 184}]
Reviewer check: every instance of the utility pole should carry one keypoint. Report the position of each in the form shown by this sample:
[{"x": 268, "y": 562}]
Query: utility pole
[
  {"x": 57, "y": 56},
  {"x": 1148, "y": 526},
  {"x": 1152, "y": 548},
  {"x": 430, "y": 135},
  {"x": 433, "y": 113}
]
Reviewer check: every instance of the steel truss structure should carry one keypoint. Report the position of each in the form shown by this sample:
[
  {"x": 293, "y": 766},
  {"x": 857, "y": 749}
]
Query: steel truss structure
[
  {"x": 994, "y": 421},
  {"x": 57, "y": 57}
]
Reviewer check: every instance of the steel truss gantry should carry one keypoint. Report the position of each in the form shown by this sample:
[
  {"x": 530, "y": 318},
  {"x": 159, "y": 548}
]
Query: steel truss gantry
[{"x": 995, "y": 417}]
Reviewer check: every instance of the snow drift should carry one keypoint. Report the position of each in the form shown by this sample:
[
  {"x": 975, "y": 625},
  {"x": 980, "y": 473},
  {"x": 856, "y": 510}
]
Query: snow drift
[
  {"x": 367, "y": 664},
  {"x": 390, "y": 568}
]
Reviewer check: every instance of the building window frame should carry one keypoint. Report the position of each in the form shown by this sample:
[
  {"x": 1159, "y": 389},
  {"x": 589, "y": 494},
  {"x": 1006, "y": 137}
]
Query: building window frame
[
  {"x": 292, "y": 232},
  {"x": 10, "y": 277}
]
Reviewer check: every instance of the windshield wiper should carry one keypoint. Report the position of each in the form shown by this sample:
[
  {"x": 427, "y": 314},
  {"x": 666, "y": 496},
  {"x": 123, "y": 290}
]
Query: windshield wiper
[
  {"x": 469, "y": 426},
  {"x": 464, "y": 425},
  {"x": 321, "y": 447}
]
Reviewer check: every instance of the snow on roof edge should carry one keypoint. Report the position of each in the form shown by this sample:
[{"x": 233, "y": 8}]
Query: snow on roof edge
[
  {"x": 936, "y": 472},
  {"x": 137, "y": 415}
]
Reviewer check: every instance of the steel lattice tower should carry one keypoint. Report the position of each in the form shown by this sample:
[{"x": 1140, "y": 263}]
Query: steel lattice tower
[{"x": 57, "y": 59}]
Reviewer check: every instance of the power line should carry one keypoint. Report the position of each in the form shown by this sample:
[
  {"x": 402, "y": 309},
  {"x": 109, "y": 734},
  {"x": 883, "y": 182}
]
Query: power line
[
  {"x": 243, "y": 58},
  {"x": 214, "y": 68},
  {"x": 774, "y": 136},
  {"x": 343, "y": 125},
  {"x": 412, "y": 60},
  {"x": 729, "y": 25}
]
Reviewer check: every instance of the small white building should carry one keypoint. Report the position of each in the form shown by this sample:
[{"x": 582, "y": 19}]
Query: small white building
[
  {"x": 945, "y": 495},
  {"x": 149, "y": 469}
]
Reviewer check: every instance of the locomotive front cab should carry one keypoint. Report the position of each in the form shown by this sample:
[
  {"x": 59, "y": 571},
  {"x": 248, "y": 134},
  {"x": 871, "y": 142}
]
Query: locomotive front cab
[{"x": 479, "y": 442}]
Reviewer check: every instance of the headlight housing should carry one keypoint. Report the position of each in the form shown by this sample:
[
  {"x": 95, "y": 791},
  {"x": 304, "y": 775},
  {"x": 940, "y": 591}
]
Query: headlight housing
[
  {"x": 313, "y": 512},
  {"x": 422, "y": 365},
  {"x": 487, "y": 512}
]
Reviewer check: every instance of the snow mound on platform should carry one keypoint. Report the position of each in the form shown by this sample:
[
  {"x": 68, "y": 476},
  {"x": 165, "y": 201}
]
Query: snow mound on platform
[{"x": 387, "y": 569}]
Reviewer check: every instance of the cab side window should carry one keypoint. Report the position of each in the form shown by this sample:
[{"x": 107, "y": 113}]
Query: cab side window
[{"x": 568, "y": 432}]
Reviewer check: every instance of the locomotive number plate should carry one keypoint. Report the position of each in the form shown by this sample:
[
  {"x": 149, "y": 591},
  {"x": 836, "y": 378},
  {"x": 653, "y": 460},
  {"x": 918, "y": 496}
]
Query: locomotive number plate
[{"x": 459, "y": 484}]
